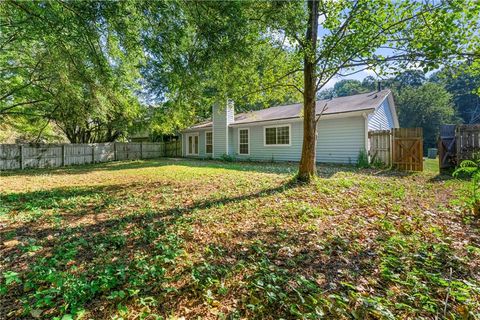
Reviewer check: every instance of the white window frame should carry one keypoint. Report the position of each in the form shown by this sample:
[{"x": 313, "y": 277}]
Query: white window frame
[
  {"x": 206, "y": 142},
  {"x": 277, "y": 126},
  {"x": 192, "y": 135},
  {"x": 238, "y": 133}
]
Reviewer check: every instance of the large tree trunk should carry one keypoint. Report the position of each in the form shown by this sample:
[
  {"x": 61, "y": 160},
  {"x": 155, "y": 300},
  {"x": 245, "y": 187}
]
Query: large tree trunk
[{"x": 307, "y": 168}]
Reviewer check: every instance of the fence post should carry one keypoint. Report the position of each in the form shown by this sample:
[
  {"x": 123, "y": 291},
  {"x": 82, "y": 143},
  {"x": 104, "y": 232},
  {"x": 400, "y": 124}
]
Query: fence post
[
  {"x": 63, "y": 155},
  {"x": 141, "y": 149},
  {"x": 115, "y": 151},
  {"x": 21, "y": 157},
  {"x": 392, "y": 145},
  {"x": 93, "y": 152}
]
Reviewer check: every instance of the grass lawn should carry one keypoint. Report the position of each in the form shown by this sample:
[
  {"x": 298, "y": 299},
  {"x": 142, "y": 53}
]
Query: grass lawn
[{"x": 177, "y": 238}]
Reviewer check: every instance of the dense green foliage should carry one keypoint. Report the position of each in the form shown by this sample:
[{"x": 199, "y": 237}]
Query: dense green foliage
[
  {"x": 471, "y": 168},
  {"x": 427, "y": 106},
  {"x": 84, "y": 68},
  {"x": 70, "y": 64},
  {"x": 464, "y": 84}
]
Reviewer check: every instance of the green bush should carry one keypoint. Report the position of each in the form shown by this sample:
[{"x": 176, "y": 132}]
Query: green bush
[
  {"x": 471, "y": 168},
  {"x": 362, "y": 160},
  {"x": 227, "y": 158}
]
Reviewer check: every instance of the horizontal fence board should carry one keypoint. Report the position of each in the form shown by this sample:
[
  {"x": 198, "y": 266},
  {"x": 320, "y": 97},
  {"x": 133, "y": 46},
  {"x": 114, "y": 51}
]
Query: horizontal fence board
[
  {"x": 10, "y": 156},
  {"x": 21, "y": 156}
]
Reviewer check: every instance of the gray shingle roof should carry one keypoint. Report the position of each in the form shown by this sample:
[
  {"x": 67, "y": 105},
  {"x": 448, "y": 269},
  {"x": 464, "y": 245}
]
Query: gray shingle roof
[{"x": 358, "y": 102}]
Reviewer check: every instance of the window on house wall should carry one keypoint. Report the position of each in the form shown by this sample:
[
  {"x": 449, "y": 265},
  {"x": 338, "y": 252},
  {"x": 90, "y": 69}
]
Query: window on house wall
[
  {"x": 277, "y": 135},
  {"x": 208, "y": 142},
  {"x": 243, "y": 141}
]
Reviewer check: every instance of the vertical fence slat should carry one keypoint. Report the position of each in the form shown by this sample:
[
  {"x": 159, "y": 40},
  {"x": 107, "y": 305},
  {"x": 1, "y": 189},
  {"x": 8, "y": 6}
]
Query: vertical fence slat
[
  {"x": 407, "y": 149},
  {"x": 22, "y": 156},
  {"x": 379, "y": 146}
]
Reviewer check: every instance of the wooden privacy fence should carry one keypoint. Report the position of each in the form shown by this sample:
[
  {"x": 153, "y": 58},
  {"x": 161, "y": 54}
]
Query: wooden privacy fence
[
  {"x": 401, "y": 148},
  {"x": 380, "y": 149},
  {"x": 22, "y": 156},
  {"x": 408, "y": 149},
  {"x": 447, "y": 153},
  {"x": 458, "y": 143}
]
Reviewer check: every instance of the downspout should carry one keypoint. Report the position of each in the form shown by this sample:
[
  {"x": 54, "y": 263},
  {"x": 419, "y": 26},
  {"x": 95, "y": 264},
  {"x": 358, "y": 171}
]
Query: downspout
[{"x": 365, "y": 117}]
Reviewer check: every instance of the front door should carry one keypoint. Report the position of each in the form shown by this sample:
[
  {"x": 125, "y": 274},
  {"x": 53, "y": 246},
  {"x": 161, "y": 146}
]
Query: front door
[{"x": 192, "y": 145}]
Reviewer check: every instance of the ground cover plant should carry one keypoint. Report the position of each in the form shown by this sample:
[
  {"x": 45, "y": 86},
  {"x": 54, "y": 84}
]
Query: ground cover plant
[{"x": 165, "y": 239}]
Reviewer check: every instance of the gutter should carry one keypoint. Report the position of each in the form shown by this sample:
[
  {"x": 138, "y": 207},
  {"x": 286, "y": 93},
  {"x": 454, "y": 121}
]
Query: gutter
[{"x": 289, "y": 119}]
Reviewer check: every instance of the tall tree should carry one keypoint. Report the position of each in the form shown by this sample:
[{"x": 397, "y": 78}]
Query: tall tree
[
  {"x": 427, "y": 106},
  {"x": 386, "y": 35},
  {"x": 464, "y": 85},
  {"x": 348, "y": 87},
  {"x": 71, "y": 63},
  {"x": 235, "y": 48},
  {"x": 409, "y": 78}
]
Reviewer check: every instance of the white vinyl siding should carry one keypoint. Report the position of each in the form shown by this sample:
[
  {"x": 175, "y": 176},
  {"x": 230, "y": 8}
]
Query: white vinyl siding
[
  {"x": 201, "y": 144},
  {"x": 221, "y": 116},
  {"x": 340, "y": 140},
  {"x": 382, "y": 118},
  {"x": 258, "y": 150}
]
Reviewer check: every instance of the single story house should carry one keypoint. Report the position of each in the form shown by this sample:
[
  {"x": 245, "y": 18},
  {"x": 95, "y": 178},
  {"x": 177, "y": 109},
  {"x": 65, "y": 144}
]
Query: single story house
[{"x": 276, "y": 133}]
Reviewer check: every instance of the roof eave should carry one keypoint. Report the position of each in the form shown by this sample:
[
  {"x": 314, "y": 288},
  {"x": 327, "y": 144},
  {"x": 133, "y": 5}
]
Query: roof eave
[{"x": 333, "y": 115}]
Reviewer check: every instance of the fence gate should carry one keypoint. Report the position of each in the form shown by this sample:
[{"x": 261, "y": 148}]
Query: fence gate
[
  {"x": 380, "y": 146},
  {"x": 407, "y": 149},
  {"x": 447, "y": 148}
]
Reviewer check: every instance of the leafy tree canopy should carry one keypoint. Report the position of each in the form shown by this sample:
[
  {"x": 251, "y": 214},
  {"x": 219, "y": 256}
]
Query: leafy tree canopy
[
  {"x": 427, "y": 106},
  {"x": 74, "y": 64}
]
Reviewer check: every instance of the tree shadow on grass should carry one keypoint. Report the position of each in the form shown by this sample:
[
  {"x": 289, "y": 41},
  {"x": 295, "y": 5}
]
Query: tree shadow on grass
[
  {"x": 324, "y": 170},
  {"x": 133, "y": 242},
  {"x": 112, "y": 254},
  {"x": 51, "y": 198},
  {"x": 126, "y": 259},
  {"x": 87, "y": 168}
]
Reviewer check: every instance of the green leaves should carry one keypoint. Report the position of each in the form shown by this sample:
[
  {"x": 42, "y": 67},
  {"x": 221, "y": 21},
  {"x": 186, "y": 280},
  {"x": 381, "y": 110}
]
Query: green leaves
[
  {"x": 73, "y": 63},
  {"x": 11, "y": 277},
  {"x": 427, "y": 106}
]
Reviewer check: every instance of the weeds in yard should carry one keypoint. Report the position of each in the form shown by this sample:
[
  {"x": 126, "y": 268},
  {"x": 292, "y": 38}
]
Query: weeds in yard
[
  {"x": 163, "y": 239},
  {"x": 471, "y": 168}
]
